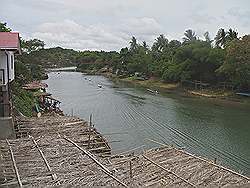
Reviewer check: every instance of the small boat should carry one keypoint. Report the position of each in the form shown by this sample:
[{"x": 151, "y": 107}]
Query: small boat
[
  {"x": 243, "y": 94},
  {"x": 153, "y": 91},
  {"x": 99, "y": 85},
  {"x": 89, "y": 79}
]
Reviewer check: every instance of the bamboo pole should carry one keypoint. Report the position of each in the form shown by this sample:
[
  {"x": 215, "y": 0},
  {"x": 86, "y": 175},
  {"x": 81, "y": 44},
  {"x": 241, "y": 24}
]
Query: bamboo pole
[
  {"x": 169, "y": 171},
  {"x": 130, "y": 169},
  {"x": 44, "y": 159},
  {"x": 14, "y": 164},
  {"x": 90, "y": 126},
  {"x": 105, "y": 170}
]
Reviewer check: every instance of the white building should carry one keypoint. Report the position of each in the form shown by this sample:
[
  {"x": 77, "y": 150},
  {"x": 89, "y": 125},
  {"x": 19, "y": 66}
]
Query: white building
[{"x": 9, "y": 46}]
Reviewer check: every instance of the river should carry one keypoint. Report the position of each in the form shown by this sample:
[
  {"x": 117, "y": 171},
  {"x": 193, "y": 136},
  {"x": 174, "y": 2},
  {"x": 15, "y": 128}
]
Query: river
[{"x": 129, "y": 117}]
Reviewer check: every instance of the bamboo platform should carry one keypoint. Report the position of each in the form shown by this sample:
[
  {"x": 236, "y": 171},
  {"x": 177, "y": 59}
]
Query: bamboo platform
[
  {"x": 49, "y": 126},
  {"x": 66, "y": 151},
  {"x": 171, "y": 167}
]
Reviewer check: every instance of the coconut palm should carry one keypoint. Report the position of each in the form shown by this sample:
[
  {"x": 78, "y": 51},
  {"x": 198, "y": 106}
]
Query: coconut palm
[
  {"x": 207, "y": 37},
  {"x": 224, "y": 37},
  {"x": 189, "y": 36},
  {"x": 160, "y": 43},
  {"x": 144, "y": 44},
  {"x": 231, "y": 35},
  {"x": 221, "y": 38},
  {"x": 133, "y": 44}
]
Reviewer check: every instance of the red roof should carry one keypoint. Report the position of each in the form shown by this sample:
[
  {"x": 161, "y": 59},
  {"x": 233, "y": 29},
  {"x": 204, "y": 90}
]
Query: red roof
[{"x": 9, "y": 41}]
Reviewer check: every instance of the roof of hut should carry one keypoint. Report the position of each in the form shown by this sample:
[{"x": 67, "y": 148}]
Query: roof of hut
[{"x": 35, "y": 85}]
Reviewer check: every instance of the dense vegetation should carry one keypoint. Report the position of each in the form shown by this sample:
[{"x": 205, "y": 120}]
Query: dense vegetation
[
  {"x": 25, "y": 72},
  {"x": 222, "y": 59},
  {"x": 225, "y": 59}
]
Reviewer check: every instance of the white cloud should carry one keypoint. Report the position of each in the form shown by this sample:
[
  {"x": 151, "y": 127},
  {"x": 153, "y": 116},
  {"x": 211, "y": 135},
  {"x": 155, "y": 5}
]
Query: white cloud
[
  {"x": 242, "y": 15},
  {"x": 70, "y": 34},
  {"x": 109, "y": 24}
]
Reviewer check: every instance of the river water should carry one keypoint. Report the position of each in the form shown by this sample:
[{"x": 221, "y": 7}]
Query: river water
[{"x": 129, "y": 117}]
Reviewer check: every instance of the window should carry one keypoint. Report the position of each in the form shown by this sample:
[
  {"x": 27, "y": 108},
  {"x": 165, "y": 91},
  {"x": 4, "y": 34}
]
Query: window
[
  {"x": 12, "y": 61},
  {"x": 1, "y": 76}
]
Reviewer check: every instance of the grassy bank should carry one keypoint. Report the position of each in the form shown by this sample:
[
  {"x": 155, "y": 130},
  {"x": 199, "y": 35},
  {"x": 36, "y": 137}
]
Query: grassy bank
[
  {"x": 215, "y": 95},
  {"x": 23, "y": 100},
  {"x": 152, "y": 83}
]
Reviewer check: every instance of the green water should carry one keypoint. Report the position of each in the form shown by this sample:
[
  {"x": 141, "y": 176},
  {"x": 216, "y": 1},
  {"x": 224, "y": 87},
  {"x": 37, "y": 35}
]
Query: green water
[{"x": 202, "y": 128}]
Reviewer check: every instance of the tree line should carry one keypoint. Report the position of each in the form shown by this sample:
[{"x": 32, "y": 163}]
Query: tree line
[{"x": 225, "y": 58}]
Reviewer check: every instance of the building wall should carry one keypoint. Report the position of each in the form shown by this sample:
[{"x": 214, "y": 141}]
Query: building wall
[
  {"x": 6, "y": 128},
  {"x": 3, "y": 65},
  {"x": 12, "y": 65}
]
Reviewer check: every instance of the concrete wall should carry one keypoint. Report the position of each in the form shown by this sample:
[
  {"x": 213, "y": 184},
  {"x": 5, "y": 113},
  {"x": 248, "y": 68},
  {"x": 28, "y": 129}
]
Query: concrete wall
[{"x": 6, "y": 128}]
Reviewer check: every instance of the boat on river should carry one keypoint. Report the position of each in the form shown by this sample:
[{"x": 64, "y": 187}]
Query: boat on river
[
  {"x": 243, "y": 94},
  {"x": 153, "y": 91}
]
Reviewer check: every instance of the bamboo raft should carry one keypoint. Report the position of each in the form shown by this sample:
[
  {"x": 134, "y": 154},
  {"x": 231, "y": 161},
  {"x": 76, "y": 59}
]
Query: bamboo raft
[{"x": 68, "y": 152}]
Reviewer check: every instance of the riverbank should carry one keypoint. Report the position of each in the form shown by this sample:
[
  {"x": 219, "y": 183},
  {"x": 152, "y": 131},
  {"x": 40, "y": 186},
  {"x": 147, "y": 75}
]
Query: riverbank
[
  {"x": 217, "y": 96},
  {"x": 144, "y": 172}
]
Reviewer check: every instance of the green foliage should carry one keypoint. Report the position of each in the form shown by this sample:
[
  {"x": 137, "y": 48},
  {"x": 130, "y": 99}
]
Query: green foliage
[
  {"x": 224, "y": 37},
  {"x": 94, "y": 60},
  {"x": 4, "y": 28},
  {"x": 49, "y": 58},
  {"x": 22, "y": 100},
  {"x": 237, "y": 63},
  {"x": 171, "y": 61},
  {"x": 160, "y": 44},
  {"x": 133, "y": 44},
  {"x": 31, "y": 45},
  {"x": 189, "y": 36},
  {"x": 26, "y": 71},
  {"x": 23, "y": 74}
]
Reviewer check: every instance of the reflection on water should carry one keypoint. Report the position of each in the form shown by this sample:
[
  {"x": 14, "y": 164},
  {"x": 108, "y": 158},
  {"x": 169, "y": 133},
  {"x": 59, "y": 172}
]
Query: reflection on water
[{"x": 132, "y": 116}]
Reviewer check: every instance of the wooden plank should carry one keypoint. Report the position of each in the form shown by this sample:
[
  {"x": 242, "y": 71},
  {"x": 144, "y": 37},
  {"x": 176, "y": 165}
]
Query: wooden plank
[
  {"x": 204, "y": 160},
  {"x": 14, "y": 164},
  {"x": 105, "y": 170},
  {"x": 169, "y": 171},
  {"x": 44, "y": 159}
]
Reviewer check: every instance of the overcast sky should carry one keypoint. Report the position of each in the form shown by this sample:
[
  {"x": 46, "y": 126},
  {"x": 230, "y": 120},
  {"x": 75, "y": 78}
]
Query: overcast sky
[{"x": 109, "y": 24}]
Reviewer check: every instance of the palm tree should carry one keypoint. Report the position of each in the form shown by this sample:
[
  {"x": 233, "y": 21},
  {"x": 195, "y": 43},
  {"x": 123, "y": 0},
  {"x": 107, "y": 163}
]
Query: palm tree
[
  {"x": 4, "y": 28},
  {"x": 160, "y": 43},
  {"x": 221, "y": 38},
  {"x": 133, "y": 44},
  {"x": 231, "y": 35},
  {"x": 144, "y": 45},
  {"x": 224, "y": 37},
  {"x": 189, "y": 36},
  {"x": 207, "y": 37}
]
